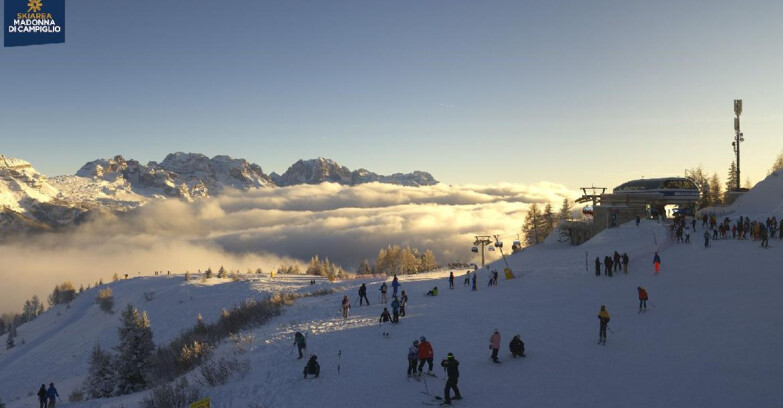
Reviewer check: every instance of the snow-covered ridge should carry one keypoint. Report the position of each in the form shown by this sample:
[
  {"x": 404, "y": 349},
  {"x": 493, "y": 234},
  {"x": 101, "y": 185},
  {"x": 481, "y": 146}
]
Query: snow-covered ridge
[{"x": 321, "y": 170}]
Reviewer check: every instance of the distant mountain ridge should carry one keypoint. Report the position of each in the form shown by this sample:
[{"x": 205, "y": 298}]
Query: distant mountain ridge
[
  {"x": 29, "y": 201},
  {"x": 321, "y": 170}
]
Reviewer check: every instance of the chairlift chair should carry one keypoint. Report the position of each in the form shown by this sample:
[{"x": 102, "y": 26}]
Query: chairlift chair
[
  {"x": 499, "y": 244},
  {"x": 491, "y": 248},
  {"x": 474, "y": 249}
]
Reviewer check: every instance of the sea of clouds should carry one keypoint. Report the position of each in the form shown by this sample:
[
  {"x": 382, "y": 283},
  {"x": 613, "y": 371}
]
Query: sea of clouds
[{"x": 268, "y": 228}]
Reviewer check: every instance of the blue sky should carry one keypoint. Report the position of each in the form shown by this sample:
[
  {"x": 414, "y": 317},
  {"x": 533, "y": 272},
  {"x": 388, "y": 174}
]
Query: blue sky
[{"x": 572, "y": 92}]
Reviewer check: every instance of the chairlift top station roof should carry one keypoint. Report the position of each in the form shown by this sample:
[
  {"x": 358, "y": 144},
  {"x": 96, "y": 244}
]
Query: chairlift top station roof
[{"x": 669, "y": 189}]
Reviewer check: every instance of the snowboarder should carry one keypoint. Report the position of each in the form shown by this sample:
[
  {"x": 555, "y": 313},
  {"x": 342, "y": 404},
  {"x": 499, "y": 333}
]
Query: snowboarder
[
  {"x": 603, "y": 316},
  {"x": 42, "y": 396},
  {"x": 52, "y": 394},
  {"x": 425, "y": 355},
  {"x": 403, "y": 302},
  {"x": 346, "y": 306},
  {"x": 625, "y": 262},
  {"x": 657, "y": 262},
  {"x": 395, "y": 304},
  {"x": 301, "y": 343},
  {"x": 312, "y": 367},
  {"x": 517, "y": 347},
  {"x": 384, "y": 321},
  {"x": 451, "y": 280},
  {"x": 363, "y": 295},
  {"x": 642, "y": 299},
  {"x": 597, "y": 266},
  {"x": 395, "y": 285},
  {"x": 494, "y": 345},
  {"x": 413, "y": 355},
  {"x": 452, "y": 372},
  {"x": 433, "y": 292},
  {"x": 383, "y": 292}
]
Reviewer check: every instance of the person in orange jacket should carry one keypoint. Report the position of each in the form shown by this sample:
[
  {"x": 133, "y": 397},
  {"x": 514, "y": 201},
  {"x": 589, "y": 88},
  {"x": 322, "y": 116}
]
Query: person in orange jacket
[
  {"x": 642, "y": 299},
  {"x": 425, "y": 355}
]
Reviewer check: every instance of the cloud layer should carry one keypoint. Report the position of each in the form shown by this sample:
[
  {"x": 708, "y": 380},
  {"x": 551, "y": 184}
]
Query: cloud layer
[{"x": 269, "y": 227}]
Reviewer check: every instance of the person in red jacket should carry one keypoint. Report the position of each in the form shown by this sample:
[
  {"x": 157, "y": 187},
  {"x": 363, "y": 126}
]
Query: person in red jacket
[
  {"x": 494, "y": 344},
  {"x": 642, "y": 299},
  {"x": 425, "y": 355}
]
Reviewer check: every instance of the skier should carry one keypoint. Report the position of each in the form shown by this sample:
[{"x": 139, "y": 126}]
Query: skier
[
  {"x": 603, "y": 316},
  {"x": 403, "y": 302},
  {"x": 312, "y": 367},
  {"x": 597, "y": 266},
  {"x": 433, "y": 292},
  {"x": 495, "y": 277},
  {"x": 425, "y": 355},
  {"x": 706, "y": 238},
  {"x": 346, "y": 305},
  {"x": 52, "y": 394},
  {"x": 413, "y": 354},
  {"x": 383, "y": 293},
  {"x": 452, "y": 372},
  {"x": 657, "y": 262},
  {"x": 395, "y": 285},
  {"x": 467, "y": 277},
  {"x": 474, "y": 281},
  {"x": 642, "y": 299},
  {"x": 494, "y": 344},
  {"x": 625, "y": 262},
  {"x": 363, "y": 295},
  {"x": 301, "y": 343},
  {"x": 517, "y": 347},
  {"x": 451, "y": 280},
  {"x": 384, "y": 320},
  {"x": 616, "y": 261},
  {"x": 42, "y": 396},
  {"x": 638, "y": 220},
  {"x": 395, "y": 304}
]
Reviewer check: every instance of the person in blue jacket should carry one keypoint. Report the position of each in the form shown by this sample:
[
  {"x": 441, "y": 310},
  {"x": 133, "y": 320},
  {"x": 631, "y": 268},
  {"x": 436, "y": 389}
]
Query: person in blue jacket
[
  {"x": 395, "y": 304},
  {"x": 395, "y": 285},
  {"x": 52, "y": 394}
]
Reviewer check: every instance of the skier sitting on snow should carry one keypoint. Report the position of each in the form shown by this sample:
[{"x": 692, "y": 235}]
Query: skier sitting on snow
[
  {"x": 385, "y": 316},
  {"x": 312, "y": 367},
  {"x": 517, "y": 347},
  {"x": 433, "y": 292}
]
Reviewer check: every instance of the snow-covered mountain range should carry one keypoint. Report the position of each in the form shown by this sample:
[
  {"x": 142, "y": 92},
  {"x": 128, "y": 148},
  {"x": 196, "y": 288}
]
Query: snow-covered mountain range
[{"x": 29, "y": 201}]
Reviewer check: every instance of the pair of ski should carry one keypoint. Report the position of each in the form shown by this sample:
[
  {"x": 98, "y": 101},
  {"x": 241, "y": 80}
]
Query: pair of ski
[{"x": 438, "y": 401}]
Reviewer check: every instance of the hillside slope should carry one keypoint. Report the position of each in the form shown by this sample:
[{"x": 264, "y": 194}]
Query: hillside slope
[{"x": 709, "y": 339}]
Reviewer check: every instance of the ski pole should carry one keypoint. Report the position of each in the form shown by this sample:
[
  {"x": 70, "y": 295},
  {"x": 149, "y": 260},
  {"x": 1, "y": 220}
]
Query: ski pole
[
  {"x": 610, "y": 329},
  {"x": 339, "y": 355},
  {"x": 653, "y": 303}
]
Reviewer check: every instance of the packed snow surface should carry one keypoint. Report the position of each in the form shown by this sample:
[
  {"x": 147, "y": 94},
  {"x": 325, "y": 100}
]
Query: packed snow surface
[{"x": 710, "y": 338}]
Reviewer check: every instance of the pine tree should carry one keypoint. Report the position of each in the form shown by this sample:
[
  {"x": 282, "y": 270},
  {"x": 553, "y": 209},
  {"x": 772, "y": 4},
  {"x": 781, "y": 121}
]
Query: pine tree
[
  {"x": 565, "y": 211},
  {"x": 549, "y": 218},
  {"x": 100, "y": 377},
  {"x": 700, "y": 178},
  {"x": 533, "y": 226},
  {"x": 9, "y": 341},
  {"x": 778, "y": 164},
  {"x": 221, "y": 272},
  {"x": 731, "y": 181},
  {"x": 715, "y": 194},
  {"x": 134, "y": 351}
]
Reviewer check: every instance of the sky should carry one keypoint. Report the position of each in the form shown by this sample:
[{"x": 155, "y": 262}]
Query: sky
[{"x": 570, "y": 92}]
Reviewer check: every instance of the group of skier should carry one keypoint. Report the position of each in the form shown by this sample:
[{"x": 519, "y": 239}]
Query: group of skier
[
  {"x": 47, "y": 397},
  {"x": 612, "y": 263},
  {"x": 742, "y": 229}
]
